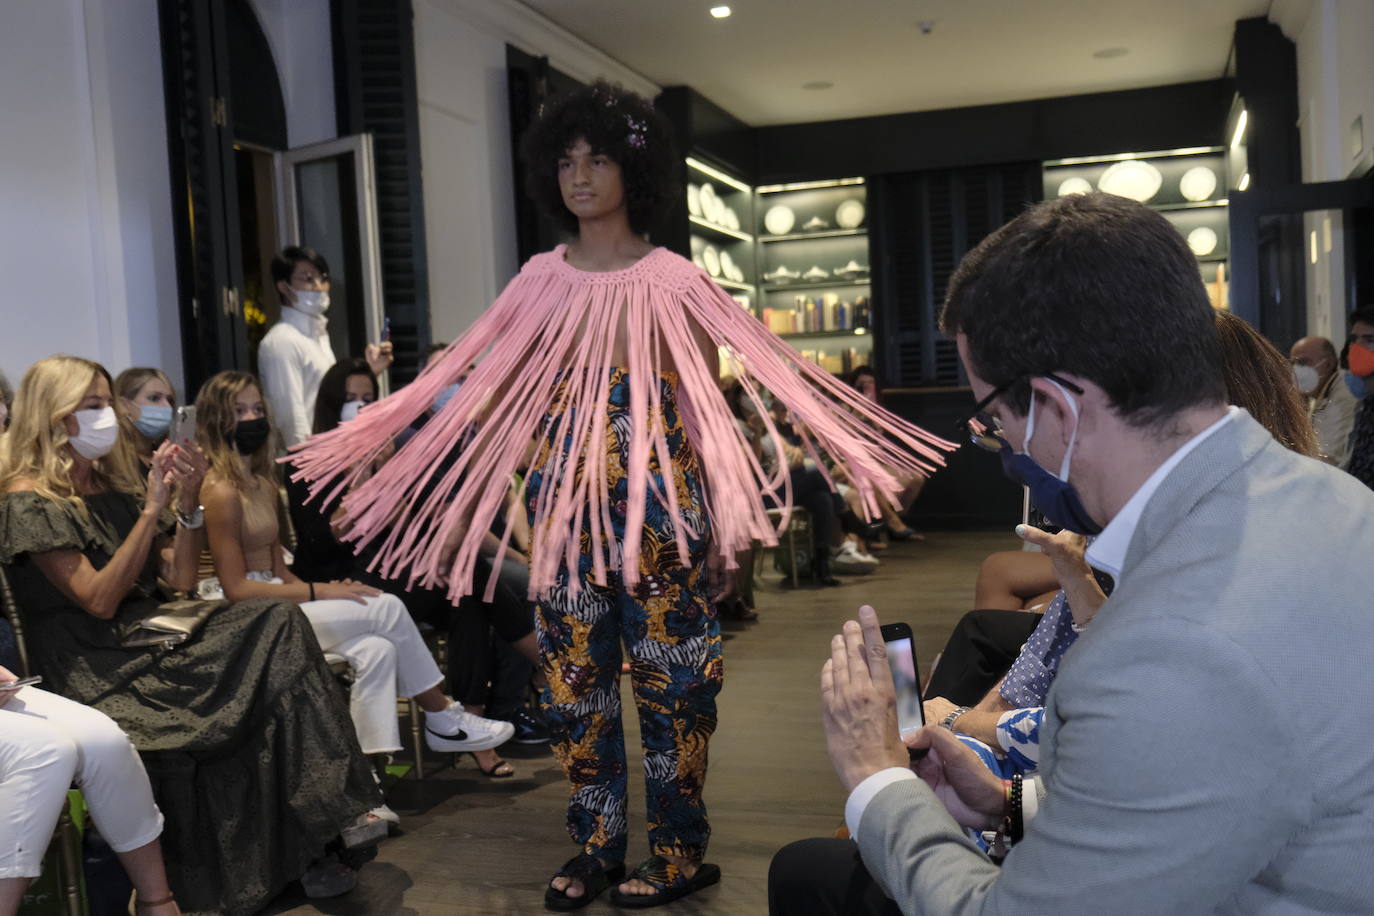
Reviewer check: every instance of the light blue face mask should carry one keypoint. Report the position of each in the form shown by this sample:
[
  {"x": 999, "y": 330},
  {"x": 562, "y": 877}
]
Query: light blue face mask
[
  {"x": 1355, "y": 384},
  {"x": 445, "y": 396},
  {"x": 154, "y": 420}
]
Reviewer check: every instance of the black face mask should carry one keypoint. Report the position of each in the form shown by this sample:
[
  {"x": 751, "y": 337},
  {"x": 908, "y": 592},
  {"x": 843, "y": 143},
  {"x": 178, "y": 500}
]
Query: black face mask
[{"x": 249, "y": 435}]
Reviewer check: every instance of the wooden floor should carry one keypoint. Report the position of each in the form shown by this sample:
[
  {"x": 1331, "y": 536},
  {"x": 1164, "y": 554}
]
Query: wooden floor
[{"x": 473, "y": 846}]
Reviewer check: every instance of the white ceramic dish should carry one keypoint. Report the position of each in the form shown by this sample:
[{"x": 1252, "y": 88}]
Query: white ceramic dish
[
  {"x": 1198, "y": 183},
  {"x": 712, "y": 259},
  {"x": 727, "y": 263},
  {"x": 1203, "y": 240},
  {"x": 1074, "y": 185},
  {"x": 816, "y": 273},
  {"x": 694, "y": 200},
  {"x": 851, "y": 270},
  {"x": 781, "y": 275},
  {"x": 850, "y": 214},
  {"x": 1131, "y": 178},
  {"x": 815, "y": 224},
  {"x": 779, "y": 220}
]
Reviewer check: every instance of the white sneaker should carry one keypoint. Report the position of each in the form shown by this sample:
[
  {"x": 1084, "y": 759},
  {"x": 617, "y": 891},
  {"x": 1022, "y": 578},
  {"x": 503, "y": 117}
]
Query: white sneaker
[
  {"x": 849, "y": 561},
  {"x": 454, "y": 730}
]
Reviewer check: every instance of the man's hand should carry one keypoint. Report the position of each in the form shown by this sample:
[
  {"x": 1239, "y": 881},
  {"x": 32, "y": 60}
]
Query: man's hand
[
  {"x": 378, "y": 357},
  {"x": 858, "y": 708},
  {"x": 973, "y": 794}
]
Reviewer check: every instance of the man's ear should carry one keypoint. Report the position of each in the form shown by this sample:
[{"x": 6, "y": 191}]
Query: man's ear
[
  {"x": 284, "y": 290},
  {"x": 1052, "y": 407}
]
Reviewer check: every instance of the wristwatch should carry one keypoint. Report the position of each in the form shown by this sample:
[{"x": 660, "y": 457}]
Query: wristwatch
[
  {"x": 948, "y": 721},
  {"x": 192, "y": 521}
]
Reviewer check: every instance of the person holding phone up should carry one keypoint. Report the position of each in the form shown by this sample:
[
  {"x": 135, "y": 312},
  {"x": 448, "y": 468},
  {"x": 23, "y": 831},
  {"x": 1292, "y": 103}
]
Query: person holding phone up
[{"x": 296, "y": 353}]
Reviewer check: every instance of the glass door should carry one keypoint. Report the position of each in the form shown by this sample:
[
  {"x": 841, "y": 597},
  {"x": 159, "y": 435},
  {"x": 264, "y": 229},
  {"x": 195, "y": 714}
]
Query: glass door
[{"x": 327, "y": 201}]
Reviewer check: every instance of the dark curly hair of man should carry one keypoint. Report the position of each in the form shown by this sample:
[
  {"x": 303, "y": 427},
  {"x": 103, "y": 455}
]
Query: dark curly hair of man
[{"x": 617, "y": 123}]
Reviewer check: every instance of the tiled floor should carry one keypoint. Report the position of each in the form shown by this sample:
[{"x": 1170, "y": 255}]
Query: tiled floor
[{"x": 473, "y": 846}]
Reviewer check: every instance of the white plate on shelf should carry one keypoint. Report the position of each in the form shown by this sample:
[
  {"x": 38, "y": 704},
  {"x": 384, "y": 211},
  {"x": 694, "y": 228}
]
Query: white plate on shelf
[
  {"x": 816, "y": 273},
  {"x": 1203, "y": 241},
  {"x": 735, "y": 273},
  {"x": 779, "y": 220},
  {"x": 696, "y": 259},
  {"x": 781, "y": 275},
  {"x": 730, "y": 219},
  {"x": 1074, "y": 185},
  {"x": 815, "y": 224},
  {"x": 1131, "y": 178},
  {"x": 851, "y": 270},
  {"x": 850, "y": 214},
  {"x": 727, "y": 264},
  {"x": 694, "y": 200},
  {"x": 1198, "y": 183},
  {"x": 712, "y": 259}
]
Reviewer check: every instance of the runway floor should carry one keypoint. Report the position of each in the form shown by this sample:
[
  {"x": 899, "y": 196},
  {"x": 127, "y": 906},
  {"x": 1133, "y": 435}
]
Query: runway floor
[{"x": 475, "y": 846}]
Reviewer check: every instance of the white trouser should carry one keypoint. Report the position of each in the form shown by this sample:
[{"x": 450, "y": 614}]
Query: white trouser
[
  {"x": 46, "y": 742},
  {"x": 388, "y": 656}
]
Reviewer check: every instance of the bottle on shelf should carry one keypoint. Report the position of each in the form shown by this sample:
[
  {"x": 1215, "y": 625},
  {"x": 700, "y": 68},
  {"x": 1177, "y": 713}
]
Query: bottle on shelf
[{"x": 861, "y": 312}]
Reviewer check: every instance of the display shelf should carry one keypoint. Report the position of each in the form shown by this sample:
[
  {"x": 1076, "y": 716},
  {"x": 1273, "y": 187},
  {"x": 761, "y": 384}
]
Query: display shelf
[
  {"x": 818, "y": 234},
  {"x": 849, "y": 332},
  {"x": 816, "y": 284},
  {"x": 709, "y": 226},
  {"x": 1191, "y": 205},
  {"x": 731, "y": 284}
]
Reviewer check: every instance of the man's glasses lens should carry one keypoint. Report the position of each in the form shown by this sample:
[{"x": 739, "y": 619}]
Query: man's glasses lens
[{"x": 985, "y": 431}]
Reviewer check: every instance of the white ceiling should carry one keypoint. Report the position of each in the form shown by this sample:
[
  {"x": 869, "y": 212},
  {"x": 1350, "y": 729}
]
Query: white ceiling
[{"x": 753, "y": 64}]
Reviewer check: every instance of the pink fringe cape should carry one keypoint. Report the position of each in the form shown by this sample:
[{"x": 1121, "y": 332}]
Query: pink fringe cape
[{"x": 554, "y": 322}]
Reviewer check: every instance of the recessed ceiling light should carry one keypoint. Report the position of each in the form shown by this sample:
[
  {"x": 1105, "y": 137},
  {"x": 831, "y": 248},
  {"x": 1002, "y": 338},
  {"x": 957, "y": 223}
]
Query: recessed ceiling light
[
  {"x": 1109, "y": 53},
  {"x": 720, "y": 12},
  {"x": 818, "y": 84}
]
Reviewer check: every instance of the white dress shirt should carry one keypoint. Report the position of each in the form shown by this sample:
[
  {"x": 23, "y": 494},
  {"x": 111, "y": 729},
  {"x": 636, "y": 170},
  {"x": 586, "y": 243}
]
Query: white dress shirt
[
  {"x": 292, "y": 358},
  {"x": 1108, "y": 552}
]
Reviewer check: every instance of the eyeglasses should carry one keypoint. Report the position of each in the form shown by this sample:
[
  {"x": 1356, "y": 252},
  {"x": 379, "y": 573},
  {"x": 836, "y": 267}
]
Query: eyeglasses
[{"x": 984, "y": 430}]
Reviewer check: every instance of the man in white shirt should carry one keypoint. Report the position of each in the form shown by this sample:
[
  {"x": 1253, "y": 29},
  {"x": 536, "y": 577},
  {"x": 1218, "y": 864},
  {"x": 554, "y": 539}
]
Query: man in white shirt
[
  {"x": 1184, "y": 770},
  {"x": 295, "y": 353},
  {"x": 1330, "y": 405}
]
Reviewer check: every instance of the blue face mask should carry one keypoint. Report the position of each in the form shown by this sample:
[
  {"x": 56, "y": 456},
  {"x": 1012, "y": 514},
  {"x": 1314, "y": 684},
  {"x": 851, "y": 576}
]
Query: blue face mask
[
  {"x": 1054, "y": 496},
  {"x": 154, "y": 420},
  {"x": 1355, "y": 384},
  {"x": 445, "y": 396}
]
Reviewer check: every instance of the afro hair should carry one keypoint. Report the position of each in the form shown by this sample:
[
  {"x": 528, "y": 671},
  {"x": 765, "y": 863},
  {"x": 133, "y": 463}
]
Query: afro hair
[{"x": 617, "y": 123}]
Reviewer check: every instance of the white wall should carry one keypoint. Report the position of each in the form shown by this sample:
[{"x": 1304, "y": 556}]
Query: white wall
[
  {"x": 465, "y": 146},
  {"x": 1335, "y": 86},
  {"x": 85, "y": 201},
  {"x": 299, "y": 33}
]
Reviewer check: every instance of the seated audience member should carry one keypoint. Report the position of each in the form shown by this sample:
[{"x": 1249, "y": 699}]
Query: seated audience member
[
  {"x": 6, "y": 400},
  {"x": 296, "y": 352},
  {"x": 144, "y": 404},
  {"x": 1330, "y": 405},
  {"x": 347, "y": 387},
  {"x": 46, "y": 744},
  {"x": 1142, "y": 809},
  {"x": 1360, "y": 358},
  {"x": 370, "y": 629},
  {"x": 242, "y": 716},
  {"x": 865, "y": 380}
]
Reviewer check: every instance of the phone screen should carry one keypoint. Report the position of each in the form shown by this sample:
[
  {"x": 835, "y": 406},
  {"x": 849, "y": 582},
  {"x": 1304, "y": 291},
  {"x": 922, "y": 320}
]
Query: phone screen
[{"x": 901, "y": 658}]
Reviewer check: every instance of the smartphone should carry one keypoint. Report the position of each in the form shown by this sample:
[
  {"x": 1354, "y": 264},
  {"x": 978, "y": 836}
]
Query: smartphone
[
  {"x": 906, "y": 679},
  {"x": 386, "y": 329},
  {"x": 183, "y": 431},
  {"x": 22, "y": 682}
]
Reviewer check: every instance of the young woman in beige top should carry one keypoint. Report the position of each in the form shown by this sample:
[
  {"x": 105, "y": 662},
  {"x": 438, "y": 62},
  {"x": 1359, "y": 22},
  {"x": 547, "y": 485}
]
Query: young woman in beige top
[{"x": 372, "y": 630}]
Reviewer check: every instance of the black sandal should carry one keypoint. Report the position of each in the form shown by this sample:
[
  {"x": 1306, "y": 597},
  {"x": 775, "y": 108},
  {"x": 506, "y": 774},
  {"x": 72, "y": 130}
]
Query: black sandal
[
  {"x": 495, "y": 771},
  {"x": 671, "y": 883},
  {"x": 594, "y": 877}
]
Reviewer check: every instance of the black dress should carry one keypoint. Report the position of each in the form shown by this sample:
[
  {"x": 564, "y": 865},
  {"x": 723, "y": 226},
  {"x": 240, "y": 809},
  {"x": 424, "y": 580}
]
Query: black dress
[{"x": 245, "y": 735}]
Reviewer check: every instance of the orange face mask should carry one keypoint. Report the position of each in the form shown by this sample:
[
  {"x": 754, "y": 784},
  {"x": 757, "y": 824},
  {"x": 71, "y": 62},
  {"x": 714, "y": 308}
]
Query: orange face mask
[{"x": 1361, "y": 360}]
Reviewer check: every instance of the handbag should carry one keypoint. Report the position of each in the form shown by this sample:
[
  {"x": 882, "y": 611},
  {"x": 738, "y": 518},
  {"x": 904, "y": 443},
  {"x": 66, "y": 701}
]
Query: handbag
[{"x": 172, "y": 623}]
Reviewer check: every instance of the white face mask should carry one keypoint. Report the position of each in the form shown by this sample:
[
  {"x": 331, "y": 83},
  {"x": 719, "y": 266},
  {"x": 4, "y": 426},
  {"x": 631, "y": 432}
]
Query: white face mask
[
  {"x": 311, "y": 301},
  {"x": 97, "y": 431},
  {"x": 350, "y": 411},
  {"x": 1307, "y": 378}
]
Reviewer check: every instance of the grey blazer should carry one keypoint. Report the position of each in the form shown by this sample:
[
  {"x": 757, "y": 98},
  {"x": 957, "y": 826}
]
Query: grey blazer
[{"x": 1208, "y": 745}]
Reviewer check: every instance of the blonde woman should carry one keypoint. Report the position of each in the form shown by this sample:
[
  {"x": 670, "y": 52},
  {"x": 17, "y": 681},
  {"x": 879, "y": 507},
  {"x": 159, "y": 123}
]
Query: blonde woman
[
  {"x": 372, "y": 630},
  {"x": 241, "y": 729},
  {"x": 144, "y": 403}
]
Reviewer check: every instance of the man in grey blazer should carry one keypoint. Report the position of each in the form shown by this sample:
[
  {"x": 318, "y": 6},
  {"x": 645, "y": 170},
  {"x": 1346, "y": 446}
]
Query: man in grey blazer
[{"x": 1208, "y": 745}]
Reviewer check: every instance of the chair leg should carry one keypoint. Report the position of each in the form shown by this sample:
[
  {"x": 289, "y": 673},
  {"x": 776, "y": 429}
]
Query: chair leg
[
  {"x": 71, "y": 861},
  {"x": 417, "y": 738},
  {"x": 792, "y": 551}
]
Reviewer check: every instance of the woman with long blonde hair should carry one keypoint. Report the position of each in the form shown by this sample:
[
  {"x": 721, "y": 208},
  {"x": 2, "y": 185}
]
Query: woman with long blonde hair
[
  {"x": 242, "y": 716},
  {"x": 145, "y": 403},
  {"x": 370, "y": 629}
]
